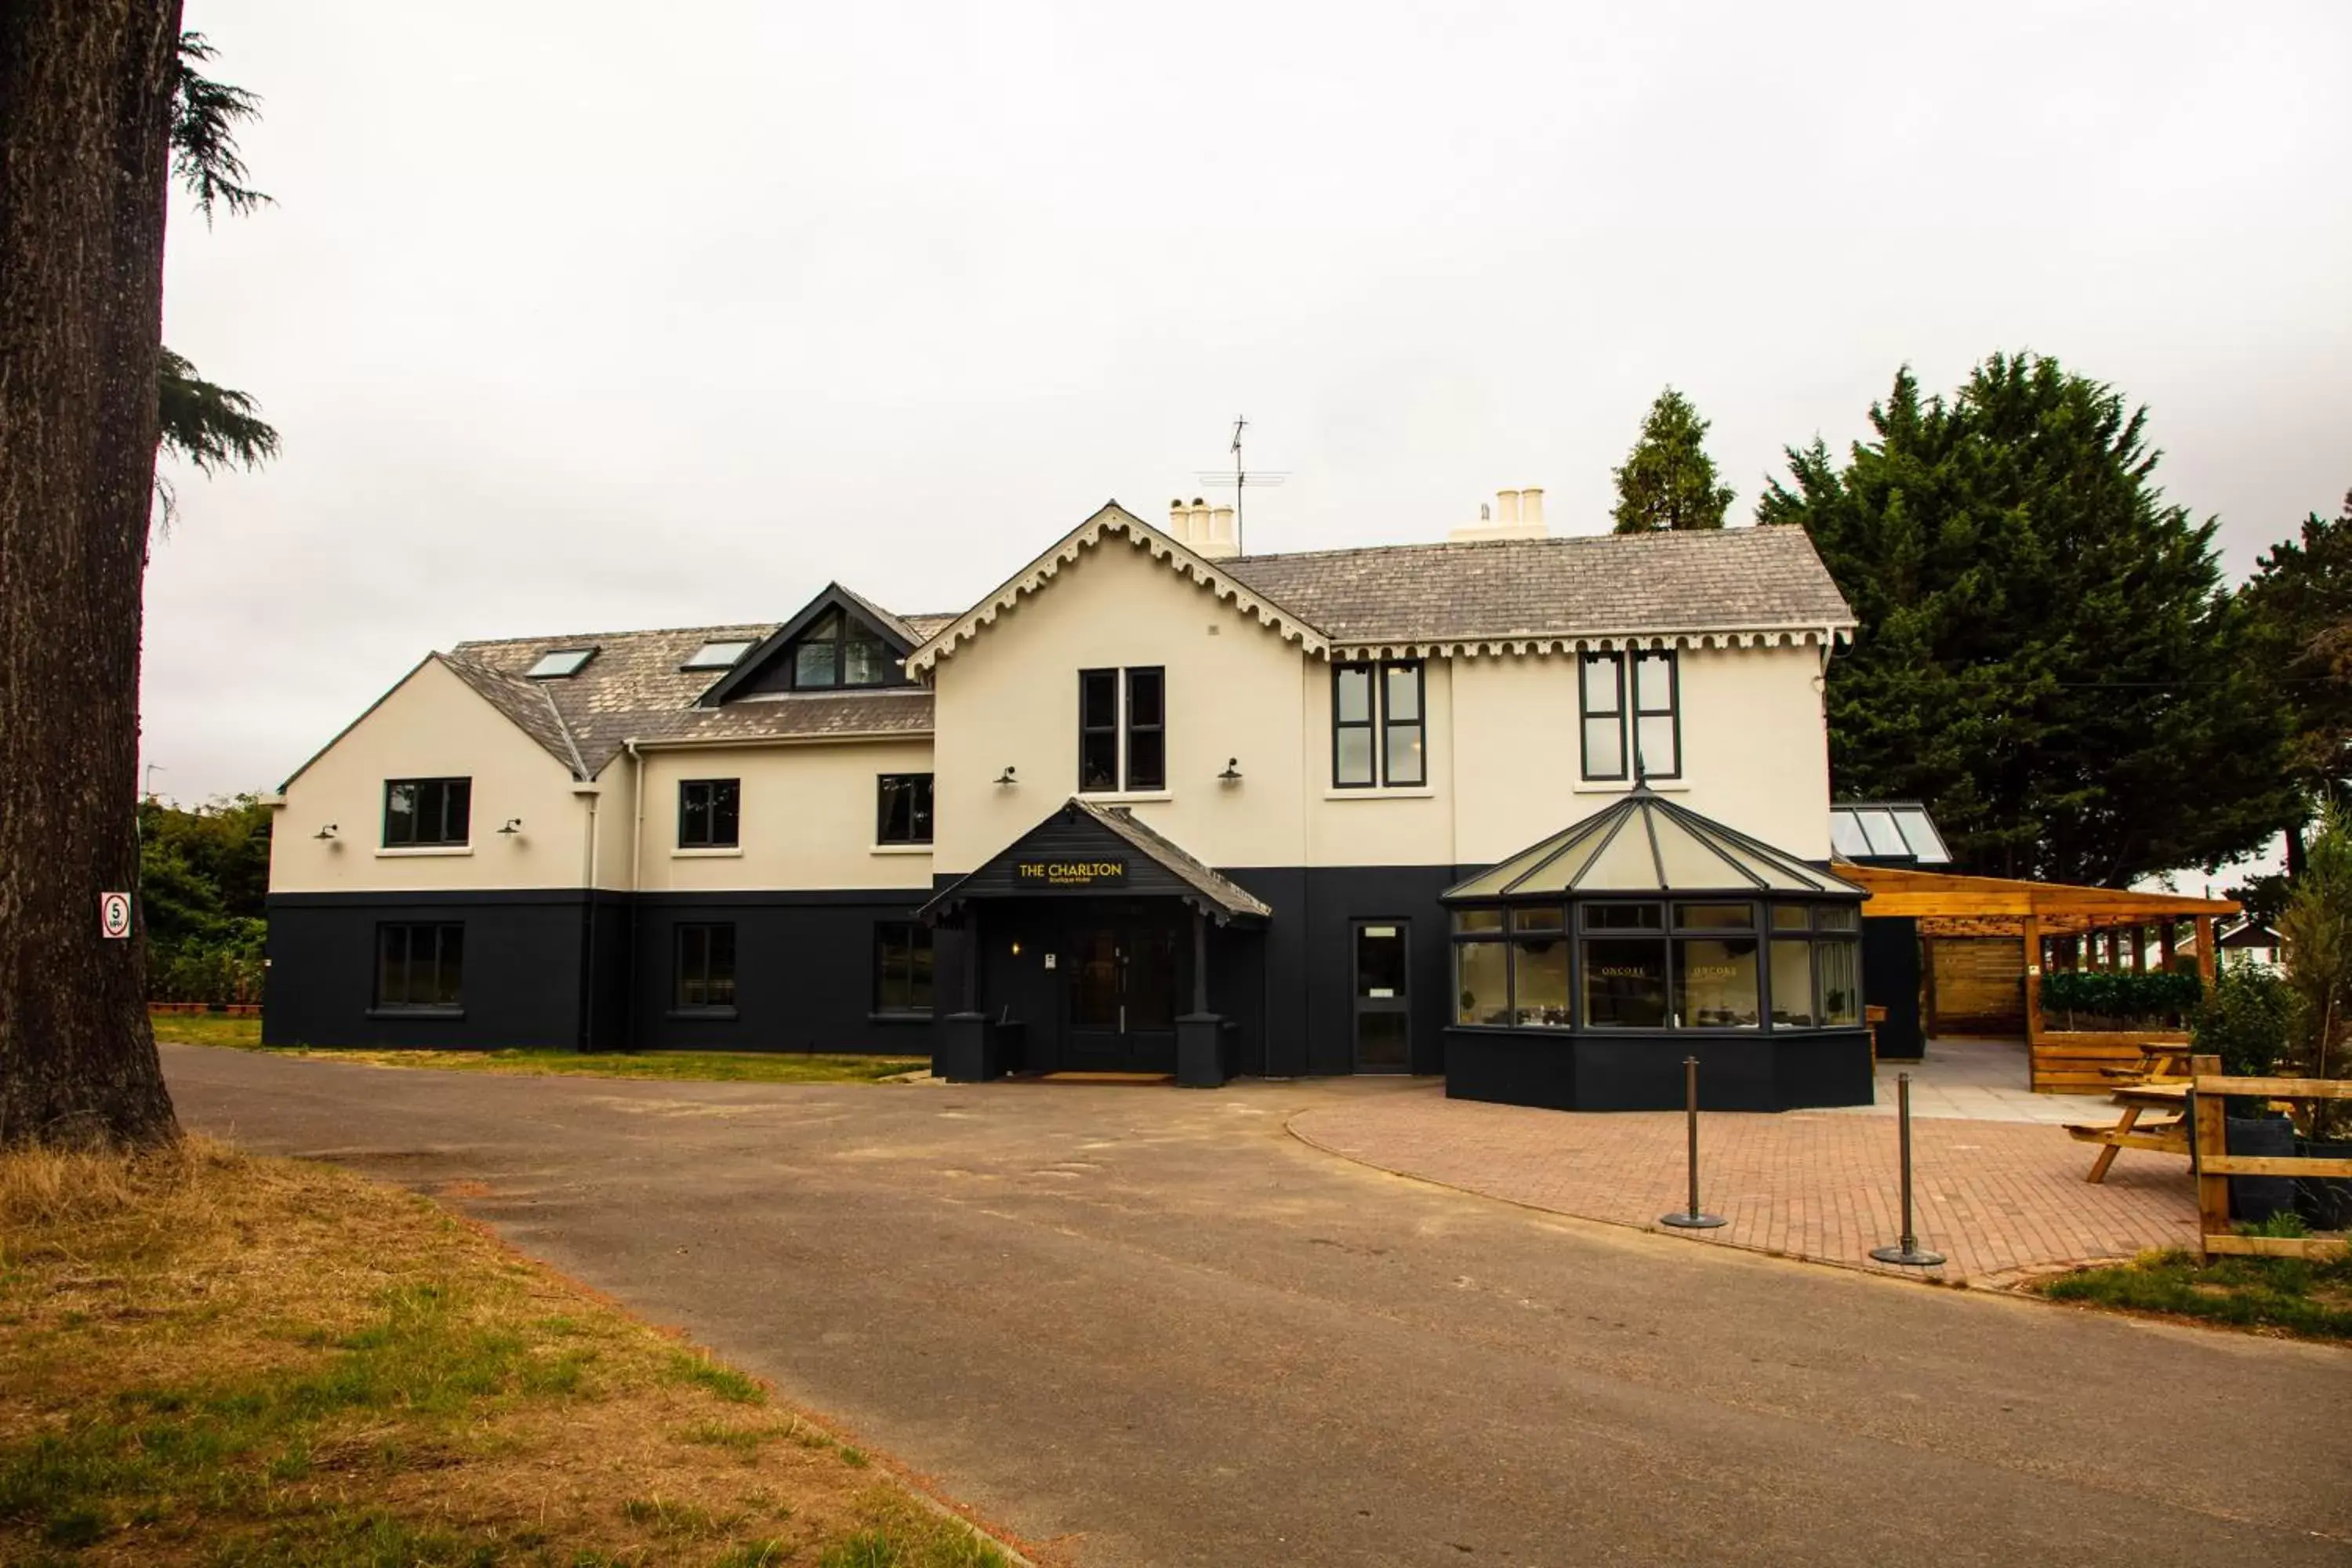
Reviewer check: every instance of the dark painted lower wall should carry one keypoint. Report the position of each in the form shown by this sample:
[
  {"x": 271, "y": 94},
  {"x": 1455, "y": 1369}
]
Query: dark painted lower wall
[
  {"x": 523, "y": 974},
  {"x": 804, "y": 972},
  {"x": 1623, "y": 1072}
]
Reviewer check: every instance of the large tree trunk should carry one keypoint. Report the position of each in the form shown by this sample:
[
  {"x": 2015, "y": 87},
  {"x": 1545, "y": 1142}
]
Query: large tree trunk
[{"x": 85, "y": 119}]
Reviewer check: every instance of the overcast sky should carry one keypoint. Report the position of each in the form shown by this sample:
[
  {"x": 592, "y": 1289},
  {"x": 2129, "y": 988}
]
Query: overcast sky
[{"x": 588, "y": 316}]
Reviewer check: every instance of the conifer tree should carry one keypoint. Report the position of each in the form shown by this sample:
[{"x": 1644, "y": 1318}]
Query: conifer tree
[
  {"x": 1668, "y": 480},
  {"x": 2299, "y": 609},
  {"x": 2046, "y": 656}
]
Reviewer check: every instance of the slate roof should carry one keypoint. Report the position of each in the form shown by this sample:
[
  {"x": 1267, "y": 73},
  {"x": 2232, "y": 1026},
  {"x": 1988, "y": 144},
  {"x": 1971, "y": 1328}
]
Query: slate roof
[
  {"x": 1727, "y": 579},
  {"x": 633, "y": 689},
  {"x": 1732, "y": 582},
  {"x": 1227, "y": 895}
]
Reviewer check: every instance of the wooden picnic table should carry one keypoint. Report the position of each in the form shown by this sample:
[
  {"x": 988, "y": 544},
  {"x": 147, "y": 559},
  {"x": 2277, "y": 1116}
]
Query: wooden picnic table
[
  {"x": 2161, "y": 1138},
  {"x": 2160, "y": 1060}
]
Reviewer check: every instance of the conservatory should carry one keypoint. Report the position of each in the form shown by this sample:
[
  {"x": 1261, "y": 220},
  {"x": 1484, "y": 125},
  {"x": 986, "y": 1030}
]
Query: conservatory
[{"x": 1587, "y": 967}]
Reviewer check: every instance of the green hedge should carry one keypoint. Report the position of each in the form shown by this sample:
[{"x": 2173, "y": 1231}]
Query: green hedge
[{"x": 2120, "y": 993}]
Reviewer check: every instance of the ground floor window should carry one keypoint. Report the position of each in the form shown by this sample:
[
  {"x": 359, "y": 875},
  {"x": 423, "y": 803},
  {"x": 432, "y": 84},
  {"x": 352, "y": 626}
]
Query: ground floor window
[
  {"x": 706, "y": 968},
  {"x": 1643, "y": 966},
  {"x": 420, "y": 967},
  {"x": 902, "y": 967}
]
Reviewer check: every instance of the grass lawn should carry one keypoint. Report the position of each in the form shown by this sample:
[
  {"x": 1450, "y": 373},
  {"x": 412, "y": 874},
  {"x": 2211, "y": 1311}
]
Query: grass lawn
[
  {"x": 212, "y": 1358},
  {"x": 2290, "y": 1295},
  {"x": 743, "y": 1067}
]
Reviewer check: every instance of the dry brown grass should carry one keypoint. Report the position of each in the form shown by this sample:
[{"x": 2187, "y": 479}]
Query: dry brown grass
[{"x": 208, "y": 1357}]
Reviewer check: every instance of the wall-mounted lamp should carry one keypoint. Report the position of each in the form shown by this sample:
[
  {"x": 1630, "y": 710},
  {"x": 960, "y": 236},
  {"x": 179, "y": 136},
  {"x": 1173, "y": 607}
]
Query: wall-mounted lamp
[
  {"x": 513, "y": 827},
  {"x": 1233, "y": 773},
  {"x": 1006, "y": 778},
  {"x": 1016, "y": 949},
  {"x": 326, "y": 832}
]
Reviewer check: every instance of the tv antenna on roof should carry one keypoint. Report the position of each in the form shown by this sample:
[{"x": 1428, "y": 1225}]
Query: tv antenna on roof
[{"x": 1241, "y": 480}]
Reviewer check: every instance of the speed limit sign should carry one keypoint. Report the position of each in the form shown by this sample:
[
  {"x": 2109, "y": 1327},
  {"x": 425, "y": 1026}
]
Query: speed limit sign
[{"x": 114, "y": 916}]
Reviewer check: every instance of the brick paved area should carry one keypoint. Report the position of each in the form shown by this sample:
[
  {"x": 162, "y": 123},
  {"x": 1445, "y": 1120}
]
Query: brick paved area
[{"x": 1994, "y": 1198}]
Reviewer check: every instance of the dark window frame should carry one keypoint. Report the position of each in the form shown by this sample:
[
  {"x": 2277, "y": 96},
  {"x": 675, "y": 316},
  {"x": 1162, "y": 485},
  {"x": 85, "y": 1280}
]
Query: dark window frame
[
  {"x": 1672, "y": 712},
  {"x": 1131, "y": 778},
  {"x": 695, "y": 962},
  {"x": 838, "y": 629},
  {"x": 448, "y": 990},
  {"x": 1378, "y": 720},
  {"x": 1120, "y": 725},
  {"x": 1370, "y": 724},
  {"x": 459, "y": 789},
  {"x": 715, "y": 791},
  {"x": 1586, "y": 713},
  {"x": 917, "y": 790},
  {"x": 898, "y": 942}
]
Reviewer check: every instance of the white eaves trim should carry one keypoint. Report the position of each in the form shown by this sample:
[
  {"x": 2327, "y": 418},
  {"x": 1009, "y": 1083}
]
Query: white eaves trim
[
  {"x": 1596, "y": 642},
  {"x": 1113, "y": 521}
]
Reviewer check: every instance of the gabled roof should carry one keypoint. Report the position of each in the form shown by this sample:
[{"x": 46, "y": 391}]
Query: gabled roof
[
  {"x": 1076, "y": 827},
  {"x": 1717, "y": 587},
  {"x": 900, "y": 634},
  {"x": 1643, "y": 843},
  {"x": 1112, "y": 522}
]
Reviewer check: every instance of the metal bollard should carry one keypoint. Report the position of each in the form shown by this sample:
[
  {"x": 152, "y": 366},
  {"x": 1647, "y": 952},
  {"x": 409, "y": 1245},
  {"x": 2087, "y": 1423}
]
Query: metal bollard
[
  {"x": 1908, "y": 1250},
  {"x": 1692, "y": 1220}
]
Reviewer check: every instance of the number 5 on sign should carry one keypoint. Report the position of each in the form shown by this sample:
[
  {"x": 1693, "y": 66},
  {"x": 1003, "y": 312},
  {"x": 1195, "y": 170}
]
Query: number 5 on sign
[{"x": 114, "y": 916}]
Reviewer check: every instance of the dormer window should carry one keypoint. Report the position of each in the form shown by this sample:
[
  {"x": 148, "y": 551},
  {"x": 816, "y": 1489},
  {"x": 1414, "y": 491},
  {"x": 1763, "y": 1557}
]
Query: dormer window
[
  {"x": 558, "y": 662},
  {"x": 720, "y": 654},
  {"x": 839, "y": 652}
]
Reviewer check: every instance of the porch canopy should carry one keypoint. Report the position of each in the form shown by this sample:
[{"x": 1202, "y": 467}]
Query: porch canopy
[{"x": 2060, "y": 926}]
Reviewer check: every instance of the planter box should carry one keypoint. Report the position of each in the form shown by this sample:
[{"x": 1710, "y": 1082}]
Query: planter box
[{"x": 2253, "y": 1199}]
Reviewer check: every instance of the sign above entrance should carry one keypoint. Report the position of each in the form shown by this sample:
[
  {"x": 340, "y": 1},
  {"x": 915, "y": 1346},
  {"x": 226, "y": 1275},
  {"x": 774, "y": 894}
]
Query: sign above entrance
[{"x": 1108, "y": 871}]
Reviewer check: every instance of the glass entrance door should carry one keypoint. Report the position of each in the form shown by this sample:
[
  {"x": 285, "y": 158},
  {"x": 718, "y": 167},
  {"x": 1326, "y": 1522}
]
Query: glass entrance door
[{"x": 1383, "y": 1009}]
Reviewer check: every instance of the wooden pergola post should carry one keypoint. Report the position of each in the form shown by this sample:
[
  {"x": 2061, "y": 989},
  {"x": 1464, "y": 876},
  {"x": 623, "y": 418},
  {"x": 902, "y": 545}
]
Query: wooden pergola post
[
  {"x": 2205, "y": 954},
  {"x": 2033, "y": 982},
  {"x": 2166, "y": 932},
  {"x": 2138, "y": 948}
]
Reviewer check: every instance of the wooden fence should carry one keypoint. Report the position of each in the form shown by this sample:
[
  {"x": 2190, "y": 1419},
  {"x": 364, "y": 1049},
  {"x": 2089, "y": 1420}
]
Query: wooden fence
[{"x": 2209, "y": 1141}]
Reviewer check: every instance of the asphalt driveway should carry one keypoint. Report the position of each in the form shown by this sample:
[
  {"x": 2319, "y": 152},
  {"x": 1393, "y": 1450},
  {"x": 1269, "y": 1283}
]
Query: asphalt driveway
[{"x": 1146, "y": 1326}]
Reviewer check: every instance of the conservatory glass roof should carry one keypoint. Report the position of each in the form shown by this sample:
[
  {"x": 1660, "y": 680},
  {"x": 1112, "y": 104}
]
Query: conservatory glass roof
[{"x": 1643, "y": 843}]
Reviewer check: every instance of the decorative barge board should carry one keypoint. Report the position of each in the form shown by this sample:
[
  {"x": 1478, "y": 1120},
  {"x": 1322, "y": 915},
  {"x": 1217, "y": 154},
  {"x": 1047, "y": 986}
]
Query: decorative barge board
[{"x": 1589, "y": 966}]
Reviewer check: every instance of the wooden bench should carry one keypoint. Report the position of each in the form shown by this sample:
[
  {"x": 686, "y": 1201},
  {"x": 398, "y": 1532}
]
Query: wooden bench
[{"x": 2160, "y": 1137}]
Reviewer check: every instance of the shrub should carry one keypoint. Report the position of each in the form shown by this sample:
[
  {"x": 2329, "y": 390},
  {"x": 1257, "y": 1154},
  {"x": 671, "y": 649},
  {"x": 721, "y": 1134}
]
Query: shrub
[
  {"x": 2245, "y": 1021},
  {"x": 2122, "y": 993}
]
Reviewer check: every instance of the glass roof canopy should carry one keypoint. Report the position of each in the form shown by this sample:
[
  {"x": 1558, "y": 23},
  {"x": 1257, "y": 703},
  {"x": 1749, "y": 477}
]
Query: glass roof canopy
[
  {"x": 1644, "y": 844},
  {"x": 1885, "y": 830}
]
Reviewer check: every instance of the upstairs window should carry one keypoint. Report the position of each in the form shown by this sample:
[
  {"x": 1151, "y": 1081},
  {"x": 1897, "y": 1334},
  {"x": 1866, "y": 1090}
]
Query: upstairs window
[
  {"x": 1122, "y": 729},
  {"x": 1378, "y": 730},
  {"x": 838, "y": 651},
  {"x": 1630, "y": 709},
  {"x": 903, "y": 815},
  {"x": 710, "y": 812},
  {"x": 428, "y": 814}
]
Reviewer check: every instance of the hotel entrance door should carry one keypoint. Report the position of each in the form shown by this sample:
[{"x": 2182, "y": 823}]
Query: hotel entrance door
[{"x": 1122, "y": 994}]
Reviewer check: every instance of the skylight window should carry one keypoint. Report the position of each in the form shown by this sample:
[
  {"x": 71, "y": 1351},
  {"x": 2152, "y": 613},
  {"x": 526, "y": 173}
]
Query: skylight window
[
  {"x": 558, "y": 662},
  {"x": 719, "y": 655}
]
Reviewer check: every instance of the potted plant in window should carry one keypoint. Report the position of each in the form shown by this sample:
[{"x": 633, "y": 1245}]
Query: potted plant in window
[{"x": 2315, "y": 930}]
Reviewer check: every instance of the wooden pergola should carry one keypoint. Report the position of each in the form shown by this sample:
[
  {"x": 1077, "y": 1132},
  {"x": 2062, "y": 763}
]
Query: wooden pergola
[{"x": 2062, "y": 926}]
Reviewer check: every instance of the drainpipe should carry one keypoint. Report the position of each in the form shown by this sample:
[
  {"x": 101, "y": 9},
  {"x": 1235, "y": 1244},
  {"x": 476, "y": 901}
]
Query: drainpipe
[
  {"x": 635, "y": 879},
  {"x": 588, "y": 954}
]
